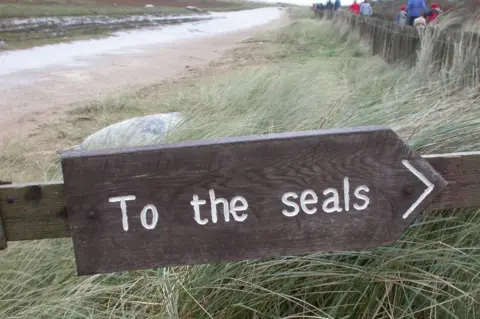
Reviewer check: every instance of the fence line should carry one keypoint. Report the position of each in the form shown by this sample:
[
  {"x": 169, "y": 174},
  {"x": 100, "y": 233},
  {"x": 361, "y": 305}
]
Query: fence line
[
  {"x": 401, "y": 43},
  {"x": 38, "y": 210}
]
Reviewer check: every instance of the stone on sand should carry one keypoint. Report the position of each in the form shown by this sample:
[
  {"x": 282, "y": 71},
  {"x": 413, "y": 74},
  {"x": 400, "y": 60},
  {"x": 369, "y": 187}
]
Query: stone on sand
[{"x": 138, "y": 131}]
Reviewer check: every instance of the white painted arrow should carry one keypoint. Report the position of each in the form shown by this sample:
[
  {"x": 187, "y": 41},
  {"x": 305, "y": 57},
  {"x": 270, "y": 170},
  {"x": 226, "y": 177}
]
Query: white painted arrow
[{"x": 425, "y": 193}]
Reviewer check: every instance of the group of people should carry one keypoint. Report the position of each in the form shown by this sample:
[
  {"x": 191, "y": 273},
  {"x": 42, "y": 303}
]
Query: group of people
[
  {"x": 329, "y": 6},
  {"x": 364, "y": 9},
  {"x": 416, "y": 14}
]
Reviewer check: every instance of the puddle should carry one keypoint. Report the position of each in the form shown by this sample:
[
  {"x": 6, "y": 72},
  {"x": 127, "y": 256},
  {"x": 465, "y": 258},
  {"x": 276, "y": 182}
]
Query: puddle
[{"x": 127, "y": 41}]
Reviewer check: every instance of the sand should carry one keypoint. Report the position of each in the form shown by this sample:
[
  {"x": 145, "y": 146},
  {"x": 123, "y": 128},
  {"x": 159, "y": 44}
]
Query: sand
[{"x": 31, "y": 97}]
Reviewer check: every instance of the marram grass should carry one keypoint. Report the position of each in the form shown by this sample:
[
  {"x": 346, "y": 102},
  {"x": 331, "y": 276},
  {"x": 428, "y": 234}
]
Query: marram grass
[{"x": 310, "y": 80}]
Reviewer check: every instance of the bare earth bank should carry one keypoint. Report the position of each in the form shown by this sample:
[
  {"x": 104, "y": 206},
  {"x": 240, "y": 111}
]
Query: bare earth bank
[{"x": 30, "y": 98}]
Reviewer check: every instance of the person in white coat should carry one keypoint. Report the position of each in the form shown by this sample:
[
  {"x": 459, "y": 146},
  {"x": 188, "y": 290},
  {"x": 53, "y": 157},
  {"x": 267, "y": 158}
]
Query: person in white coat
[{"x": 366, "y": 9}]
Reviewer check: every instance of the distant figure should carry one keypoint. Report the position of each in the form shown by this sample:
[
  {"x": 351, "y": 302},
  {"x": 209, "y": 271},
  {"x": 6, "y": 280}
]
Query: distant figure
[
  {"x": 401, "y": 17},
  {"x": 414, "y": 10},
  {"x": 329, "y": 5},
  {"x": 319, "y": 6},
  {"x": 354, "y": 8},
  {"x": 337, "y": 5},
  {"x": 433, "y": 13},
  {"x": 366, "y": 9}
]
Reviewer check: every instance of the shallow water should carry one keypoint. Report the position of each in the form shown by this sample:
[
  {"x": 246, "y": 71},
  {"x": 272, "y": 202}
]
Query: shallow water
[
  {"x": 68, "y": 54},
  {"x": 65, "y": 21}
]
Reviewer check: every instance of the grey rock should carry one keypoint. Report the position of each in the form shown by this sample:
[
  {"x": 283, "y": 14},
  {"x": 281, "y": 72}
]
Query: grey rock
[{"x": 138, "y": 131}]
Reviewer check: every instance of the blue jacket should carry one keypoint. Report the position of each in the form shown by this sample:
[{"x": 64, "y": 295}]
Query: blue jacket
[
  {"x": 337, "y": 5},
  {"x": 415, "y": 7}
]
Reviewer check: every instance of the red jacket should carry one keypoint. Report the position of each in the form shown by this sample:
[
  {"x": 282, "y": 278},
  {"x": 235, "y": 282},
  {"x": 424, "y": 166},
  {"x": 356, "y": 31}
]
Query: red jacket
[
  {"x": 355, "y": 8},
  {"x": 433, "y": 14}
]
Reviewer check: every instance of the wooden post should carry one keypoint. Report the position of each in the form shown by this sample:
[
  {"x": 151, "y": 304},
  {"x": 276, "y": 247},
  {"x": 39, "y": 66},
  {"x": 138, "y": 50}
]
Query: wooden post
[
  {"x": 441, "y": 47},
  {"x": 385, "y": 39},
  {"x": 450, "y": 48},
  {"x": 389, "y": 42},
  {"x": 3, "y": 237},
  {"x": 375, "y": 38},
  {"x": 364, "y": 29},
  {"x": 407, "y": 36},
  {"x": 397, "y": 42},
  {"x": 415, "y": 46}
]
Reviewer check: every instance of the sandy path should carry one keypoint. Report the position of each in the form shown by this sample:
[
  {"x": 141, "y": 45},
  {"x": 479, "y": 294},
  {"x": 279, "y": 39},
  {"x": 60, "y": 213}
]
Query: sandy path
[{"x": 30, "y": 98}]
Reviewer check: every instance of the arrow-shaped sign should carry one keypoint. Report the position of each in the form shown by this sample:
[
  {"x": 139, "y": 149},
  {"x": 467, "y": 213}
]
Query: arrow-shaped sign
[
  {"x": 425, "y": 193},
  {"x": 243, "y": 198}
]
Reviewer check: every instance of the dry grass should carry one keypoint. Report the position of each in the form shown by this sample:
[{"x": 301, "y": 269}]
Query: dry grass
[{"x": 305, "y": 78}]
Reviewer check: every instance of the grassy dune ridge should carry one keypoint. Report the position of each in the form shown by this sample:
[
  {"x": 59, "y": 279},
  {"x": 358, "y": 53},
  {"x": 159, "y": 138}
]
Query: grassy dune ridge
[
  {"x": 28, "y": 9},
  {"x": 305, "y": 76}
]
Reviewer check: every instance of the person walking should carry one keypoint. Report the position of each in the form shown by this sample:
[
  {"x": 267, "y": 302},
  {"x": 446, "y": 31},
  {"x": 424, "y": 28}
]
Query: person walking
[
  {"x": 366, "y": 9},
  {"x": 337, "y": 5},
  {"x": 415, "y": 9},
  {"x": 329, "y": 5},
  {"x": 354, "y": 8},
  {"x": 401, "y": 17},
  {"x": 433, "y": 13}
]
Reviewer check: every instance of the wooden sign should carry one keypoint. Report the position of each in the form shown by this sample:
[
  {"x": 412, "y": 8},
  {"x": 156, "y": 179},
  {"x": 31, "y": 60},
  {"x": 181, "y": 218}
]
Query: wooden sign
[{"x": 243, "y": 198}]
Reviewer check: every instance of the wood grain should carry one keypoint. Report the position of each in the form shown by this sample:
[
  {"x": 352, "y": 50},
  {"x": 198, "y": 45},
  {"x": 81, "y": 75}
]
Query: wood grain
[
  {"x": 33, "y": 211},
  {"x": 462, "y": 171},
  {"x": 3, "y": 237},
  {"x": 47, "y": 218},
  {"x": 259, "y": 168}
]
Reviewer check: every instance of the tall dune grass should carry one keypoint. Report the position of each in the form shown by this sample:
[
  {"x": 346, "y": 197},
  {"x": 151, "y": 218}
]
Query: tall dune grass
[{"x": 310, "y": 77}]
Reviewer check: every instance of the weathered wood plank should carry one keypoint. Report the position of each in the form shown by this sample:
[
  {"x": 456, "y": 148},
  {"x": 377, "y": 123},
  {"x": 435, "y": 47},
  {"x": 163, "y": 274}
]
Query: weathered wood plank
[
  {"x": 243, "y": 198},
  {"x": 26, "y": 220},
  {"x": 3, "y": 237},
  {"x": 33, "y": 211},
  {"x": 462, "y": 172}
]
